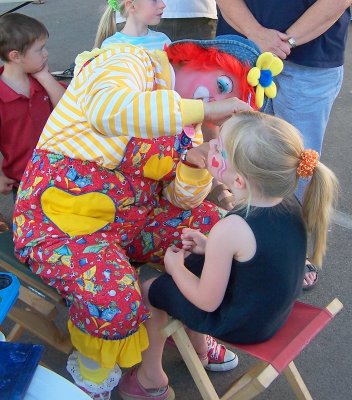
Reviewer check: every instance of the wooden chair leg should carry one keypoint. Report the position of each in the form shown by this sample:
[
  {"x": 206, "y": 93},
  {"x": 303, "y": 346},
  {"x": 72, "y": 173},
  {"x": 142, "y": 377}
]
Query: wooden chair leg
[
  {"x": 191, "y": 359},
  {"x": 15, "y": 333},
  {"x": 255, "y": 381},
  {"x": 36, "y": 315},
  {"x": 296, "y": 382},
  {"x": 38, "y": 325},
  {"x": 37, "y": 303}
]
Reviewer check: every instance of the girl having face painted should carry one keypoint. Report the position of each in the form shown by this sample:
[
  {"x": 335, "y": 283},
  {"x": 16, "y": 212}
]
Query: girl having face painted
[{"x": 240, "y": 282}]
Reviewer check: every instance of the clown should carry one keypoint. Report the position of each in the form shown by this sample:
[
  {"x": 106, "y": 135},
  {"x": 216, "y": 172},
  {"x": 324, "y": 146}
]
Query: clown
[{"x": 114, "y": 179}]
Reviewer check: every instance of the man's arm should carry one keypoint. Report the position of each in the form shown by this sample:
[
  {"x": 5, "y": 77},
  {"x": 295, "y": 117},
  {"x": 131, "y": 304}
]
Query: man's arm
[
  {"x": 317, "y": 19},
  {"x": 237, "y": 15}
]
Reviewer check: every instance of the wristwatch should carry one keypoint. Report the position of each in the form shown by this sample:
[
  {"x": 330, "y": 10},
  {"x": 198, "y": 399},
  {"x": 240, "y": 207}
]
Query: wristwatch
[
  {"x": 184, "y": 161},
  {"x": 292, "y": 42},
  {"x": 184, "y": 155}
]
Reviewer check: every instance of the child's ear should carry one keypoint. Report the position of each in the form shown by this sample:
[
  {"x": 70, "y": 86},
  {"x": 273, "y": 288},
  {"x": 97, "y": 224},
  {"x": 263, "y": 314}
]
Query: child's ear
[
  {"x": 14, "y": 56},
  {"x": 129, "y": 4},
  {"x": 239, "y": 182}
]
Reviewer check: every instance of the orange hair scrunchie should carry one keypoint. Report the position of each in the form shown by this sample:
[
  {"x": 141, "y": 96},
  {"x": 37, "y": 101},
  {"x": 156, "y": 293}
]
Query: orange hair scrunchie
[{"x": 308, "y": 161}]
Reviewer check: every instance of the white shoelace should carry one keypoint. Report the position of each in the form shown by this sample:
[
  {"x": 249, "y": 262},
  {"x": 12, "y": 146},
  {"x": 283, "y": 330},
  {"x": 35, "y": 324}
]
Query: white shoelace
[{"x": 213, "y": 347}]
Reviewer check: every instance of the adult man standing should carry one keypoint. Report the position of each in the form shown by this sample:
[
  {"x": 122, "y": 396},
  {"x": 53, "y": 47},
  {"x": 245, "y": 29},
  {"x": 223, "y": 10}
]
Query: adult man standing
[{"x": 310, "y": 35}]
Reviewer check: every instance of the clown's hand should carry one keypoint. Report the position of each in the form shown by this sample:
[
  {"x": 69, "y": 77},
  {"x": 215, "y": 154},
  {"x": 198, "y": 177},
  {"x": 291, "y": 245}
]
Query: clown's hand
[
  {"x": 197, "y": 156},
  {"x": 219, "y": 111}
]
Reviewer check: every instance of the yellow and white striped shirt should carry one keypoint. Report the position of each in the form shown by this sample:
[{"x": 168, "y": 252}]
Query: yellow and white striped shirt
[{"x": 123, "y": 92}]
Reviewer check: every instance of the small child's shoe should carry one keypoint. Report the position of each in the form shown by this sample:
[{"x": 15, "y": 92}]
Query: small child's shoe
[{"x": 219, "y": 357}]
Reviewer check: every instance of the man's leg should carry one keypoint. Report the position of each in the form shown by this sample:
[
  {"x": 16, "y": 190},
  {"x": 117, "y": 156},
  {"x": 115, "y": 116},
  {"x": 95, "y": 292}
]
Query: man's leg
[{"x": 305, "y": 99}]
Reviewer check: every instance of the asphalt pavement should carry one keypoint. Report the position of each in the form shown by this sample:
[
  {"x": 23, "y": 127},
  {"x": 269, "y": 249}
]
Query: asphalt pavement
[{"x": 325, "y": 364}]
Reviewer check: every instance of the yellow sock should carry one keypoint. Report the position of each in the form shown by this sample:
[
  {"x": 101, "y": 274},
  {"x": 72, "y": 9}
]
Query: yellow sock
[{"x": 91, "y": 371}]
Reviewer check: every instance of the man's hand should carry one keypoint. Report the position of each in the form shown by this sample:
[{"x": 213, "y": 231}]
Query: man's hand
[
  {"x": 217, "y": 112},
  {"x": 6, "y": 184},
  {"x": 273, "y": 41}
]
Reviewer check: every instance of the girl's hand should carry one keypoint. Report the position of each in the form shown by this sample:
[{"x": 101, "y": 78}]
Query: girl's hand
[
  {"x": 193, "y": 241},
  {"x": 174, "y": 258}
]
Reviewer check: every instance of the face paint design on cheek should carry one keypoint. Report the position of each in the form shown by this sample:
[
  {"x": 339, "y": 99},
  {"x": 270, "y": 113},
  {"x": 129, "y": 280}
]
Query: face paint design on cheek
[
  {"x": 222, "y": 152},
  {"x": 214, "y": 162}
]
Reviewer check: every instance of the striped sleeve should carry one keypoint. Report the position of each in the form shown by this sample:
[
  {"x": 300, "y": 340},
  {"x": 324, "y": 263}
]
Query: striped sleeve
[
  {"x": 189, "y": 188},
  {"x": 118, "y": 100}
]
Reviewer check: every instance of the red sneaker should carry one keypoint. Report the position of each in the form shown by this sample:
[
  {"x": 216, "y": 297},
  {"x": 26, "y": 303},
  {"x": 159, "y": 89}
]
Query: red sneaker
[{"x": 219, "y": 357}]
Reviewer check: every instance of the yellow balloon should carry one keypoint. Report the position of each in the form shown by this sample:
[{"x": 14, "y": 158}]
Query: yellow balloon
[
  {"x": 276, "y": 66},
  {"x": 271, "y": 91},
  {"x": 259, "y": 96},
  {"x": 253, "y": 76},
  {"x": 264, "y": 60}
]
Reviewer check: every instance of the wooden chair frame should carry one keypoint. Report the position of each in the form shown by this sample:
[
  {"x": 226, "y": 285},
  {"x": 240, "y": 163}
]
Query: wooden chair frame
[
  {"x": 252, "y": 383},
  {"x": 41, "y": 305}
]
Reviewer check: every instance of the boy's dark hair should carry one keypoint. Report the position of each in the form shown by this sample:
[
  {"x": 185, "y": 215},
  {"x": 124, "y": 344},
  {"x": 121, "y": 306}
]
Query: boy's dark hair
[{"x": 19, "y": 32}]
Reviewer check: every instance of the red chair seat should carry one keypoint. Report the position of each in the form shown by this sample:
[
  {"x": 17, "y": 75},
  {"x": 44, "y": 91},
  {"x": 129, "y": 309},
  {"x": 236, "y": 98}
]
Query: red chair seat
[{"x": 303, "y": 324}]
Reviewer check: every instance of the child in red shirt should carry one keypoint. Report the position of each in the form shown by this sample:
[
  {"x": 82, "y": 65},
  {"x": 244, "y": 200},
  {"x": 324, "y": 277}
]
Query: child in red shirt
[{"x": 28, "y": 93}]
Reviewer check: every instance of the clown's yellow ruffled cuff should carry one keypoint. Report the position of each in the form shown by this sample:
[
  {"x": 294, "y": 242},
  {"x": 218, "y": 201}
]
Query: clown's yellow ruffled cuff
[
  {"x": 192, "y": 111},
  {"x": 193, "y": 176},
  {"x": 125, "y": 352}
]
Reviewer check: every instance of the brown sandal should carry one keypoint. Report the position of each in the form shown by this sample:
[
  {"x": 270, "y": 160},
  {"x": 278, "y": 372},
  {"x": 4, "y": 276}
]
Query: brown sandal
[{"x": 221, "y": 197}]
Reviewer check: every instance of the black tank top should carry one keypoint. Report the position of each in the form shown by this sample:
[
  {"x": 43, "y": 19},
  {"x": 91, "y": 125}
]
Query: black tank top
[{"x": 261, "y": 291}]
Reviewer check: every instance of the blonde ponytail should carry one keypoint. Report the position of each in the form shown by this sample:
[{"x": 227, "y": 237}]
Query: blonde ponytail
[
  {"x": 318, "y": 204},
  {"x": 106, "y": 27}
]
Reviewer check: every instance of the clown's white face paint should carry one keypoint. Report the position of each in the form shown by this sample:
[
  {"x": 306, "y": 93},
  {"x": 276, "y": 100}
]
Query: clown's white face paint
[{"x": 205, "y": 85}]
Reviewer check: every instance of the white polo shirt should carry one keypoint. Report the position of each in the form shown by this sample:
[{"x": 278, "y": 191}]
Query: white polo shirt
[
  {"x": 190, "y": 9},
  {"x": 186, "y": 9}
]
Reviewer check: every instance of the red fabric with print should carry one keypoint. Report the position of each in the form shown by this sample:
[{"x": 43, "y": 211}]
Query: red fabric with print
[{"x": 92, "y": 271}]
